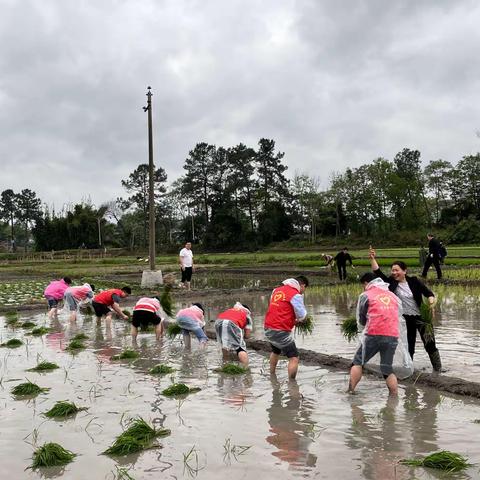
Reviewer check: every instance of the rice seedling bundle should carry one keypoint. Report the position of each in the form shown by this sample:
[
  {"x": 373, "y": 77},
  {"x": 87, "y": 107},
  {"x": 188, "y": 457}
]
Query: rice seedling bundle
[
  {"x": 12, "y": 343},
  {"x": 173, "y": 329},
  {"x": 40, "y": 331},
  {"x": 232, "y": 369},
  {"x": 349, "y": 328},
  {"x": 427, "y": 318},
  {"x": 178, "y": 389},
  {"x": 51, "y": 455},
  {"x": 166, "y": 301},
  {"x": 443, "y": 460},
  {"x": 12, "y": 315},
  {"x": 126, "y": 312},
  {"x": 305, "y": 327},
  {"x": 44, "y": 367},
  {"x": 75, "y": 345},
  {"x": 27, "y": 389},
  {"x": 63, "y": 409},
  {"x": 161, "y": 370},
  {"x": 27, "y": 325},
  {"x": 80, "y": 336},
  {"x": 126, "y": 355}
]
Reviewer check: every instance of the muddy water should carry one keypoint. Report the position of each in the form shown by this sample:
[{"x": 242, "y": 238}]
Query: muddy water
[{"x": 308, "y": 429}]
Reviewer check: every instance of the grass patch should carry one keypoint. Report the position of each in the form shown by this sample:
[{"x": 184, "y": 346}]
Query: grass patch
[
  {"x": 305, "y": 327},
  {"x": 173, "y": 329},
  {"x": 12, "y": 343},
  {"x": 80, "y": 337},
  {"x": 443, "y": 460},
  {"x": 28, "y": 389},
  {"x": 75, "y": 345},
  {"x": 349, "y": 328},
  {"x": 126, "y": 355},
  {"x": 161, "y": 369},
  {"x": 28, "y": 325},
  {"x": 63, "y": 409},
  {"x": 166, "y": 300},
  {"x": 44, "y": 367},
  {"x": 135, "y": 438},
  {"x": 179, "y": 389},
  {"x": 231, "y": 369},
  {"x": 40, "y": 331},
  {"x": 51, "y": 455}
]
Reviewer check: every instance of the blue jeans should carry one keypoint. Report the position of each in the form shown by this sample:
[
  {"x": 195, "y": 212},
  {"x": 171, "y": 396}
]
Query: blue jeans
[{"x": 188, "y": 325}]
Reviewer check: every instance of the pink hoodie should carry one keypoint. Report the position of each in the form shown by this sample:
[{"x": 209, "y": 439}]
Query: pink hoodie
[
  {"x": 194, "y": 313},
  {"x": 56, "y": 289}
]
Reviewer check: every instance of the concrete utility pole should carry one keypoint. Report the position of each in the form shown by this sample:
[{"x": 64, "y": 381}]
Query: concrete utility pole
[{"x": 152, "y": 277}]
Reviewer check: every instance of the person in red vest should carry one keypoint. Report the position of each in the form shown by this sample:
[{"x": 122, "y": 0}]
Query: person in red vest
[
  {"x": 285, "y": 310},
  {"x": 108, "y": 300},
  {"x": 231, "y": 327},
  {"x": 380, "y": 312}
]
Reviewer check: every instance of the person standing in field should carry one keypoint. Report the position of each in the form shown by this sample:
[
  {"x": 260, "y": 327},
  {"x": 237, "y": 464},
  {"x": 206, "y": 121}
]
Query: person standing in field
[
  {"x": 411, "y": 291},
  {"x": 74, "y": 295},
  {"x": 434, "y": 256},
  {"x": 54, "y": 294},
  {"x": 341, "y": 259},
  {"x": 231, "y": 327},
  {"x": 147, "y": 311},
  {"x": 380, "y": 312},
  {"x": 186, "y": 265},
  {"x": 107, "y": 301},
  {"x": 286, "y": 309}
]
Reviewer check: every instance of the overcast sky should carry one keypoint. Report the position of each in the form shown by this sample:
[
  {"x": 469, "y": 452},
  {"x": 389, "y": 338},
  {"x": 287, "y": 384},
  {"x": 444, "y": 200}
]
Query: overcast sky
[{"x": 334, "y": 83}]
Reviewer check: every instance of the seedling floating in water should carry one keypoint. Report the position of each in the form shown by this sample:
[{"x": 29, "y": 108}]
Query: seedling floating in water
[
  {"x": 63, "y": 409},
  {"x": 173, "y": 330},
  {"x": 80, "y": 336},
  {"x": 40, "y": 331},
  {"x": 126, "y": 355},
  {"x": 12, "y": 343},
  {"x": 161, "y": 369},
  {"x": 75, "y": 345},
  {"x": 305, "y": 327},
  {"x": 443, "y": 460},
  {"x": 28, "y": 389},
  {"x": 51, "y": 455},
  {"x": 349, "y": 328},
  {"x": 232, "y": 369},
  {"x": 179, "y": 389},
  {"x": 135, "y": 438},
  {"x": 28, "y": 325},
  {"x": 44, "y": 367}
]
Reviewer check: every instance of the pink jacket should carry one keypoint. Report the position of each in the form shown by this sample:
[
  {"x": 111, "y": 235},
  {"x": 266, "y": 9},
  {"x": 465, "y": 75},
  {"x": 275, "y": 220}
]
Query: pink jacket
[
  {"x": 194, "y": 313},
  {"x": 148, "y": 304},
  {"x": 80, "y": 293},
  {"x": 56, "y": 289}
]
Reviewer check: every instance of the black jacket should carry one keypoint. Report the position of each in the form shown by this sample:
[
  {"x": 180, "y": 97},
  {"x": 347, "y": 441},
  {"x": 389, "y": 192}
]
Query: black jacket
[
  {"x": 417, "y": 287},
  {"x": 434, "y": 248},
  {"x": 342, "y": 258}
]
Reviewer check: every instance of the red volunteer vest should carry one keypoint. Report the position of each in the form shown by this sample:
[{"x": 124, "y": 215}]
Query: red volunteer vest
[
  {"x": 280, "y": 314},
  {"x": 238, "y": 317},
  {"x": 105, "y": 297},
  {"x": 382, "y": 312}
]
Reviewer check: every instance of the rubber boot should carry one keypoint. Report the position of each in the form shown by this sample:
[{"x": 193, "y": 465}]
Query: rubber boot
[{"x": 436, "y": 361}]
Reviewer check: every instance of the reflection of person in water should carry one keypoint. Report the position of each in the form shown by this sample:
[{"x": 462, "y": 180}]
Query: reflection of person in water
[
  {"x": 289, "y": 421},
  {"x": 234, "y": 390}
]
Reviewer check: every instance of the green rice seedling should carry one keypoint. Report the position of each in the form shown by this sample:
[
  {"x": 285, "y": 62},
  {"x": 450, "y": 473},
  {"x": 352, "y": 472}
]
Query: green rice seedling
[
  {"x": 44, "y": 367},
  {"x": 305, "y": 327},
  {"x": 142, "y": 431},
  {"x": 161, "y": 369},
  {"x": 63, "y": 409},
  {"x": 28, "y": 389},
  {"x": 51, "y": 455},
  {"x": 126, "y": 355},
  {"x": 173, "y": 329},
  {"x": 12, "y": 343},
  {"x": 166, "y": 300},
  {"x": 122, "y": 474},
  {"x": 75, "y": 345},
  {"x": 443, "y": 460},
  {"x": 125, "y": 445},
  {"x": 27, "y": 325},
  {"x": 191, "y": 463},
  {"x": 12, "y": 320},
  {"x": 126, "y": 312},
  {"x": 233, "y": 450},
  {"x": 12, "y": 315},
  {"x": 80, "y": 336},
  {"x": 40, "y": 331},
  {"x": 427, "y": 318},
  {"x": 179, "y": 389},
  {"x": 232, "y": 369},
  {"x": 349, "y": 328}
]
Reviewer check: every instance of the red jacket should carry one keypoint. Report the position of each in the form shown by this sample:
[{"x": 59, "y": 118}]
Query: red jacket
[
  {"x": 238, "y": 317},
  {"x": 105, "y": 297},
  {"x": 280, "y": 314}
]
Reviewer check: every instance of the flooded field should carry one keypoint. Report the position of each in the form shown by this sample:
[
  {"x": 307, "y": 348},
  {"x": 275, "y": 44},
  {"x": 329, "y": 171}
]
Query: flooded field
[{"x": 292, "y": 430}]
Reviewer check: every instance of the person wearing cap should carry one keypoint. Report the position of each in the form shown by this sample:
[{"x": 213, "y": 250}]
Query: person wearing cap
[
  {"x": 232, "y": 327},
  {"x": 191, "y": 320},
  {"x": 286, "y": 309},
  {"x": 74, "y": 295},
  {"x": 147, "y": 311}
]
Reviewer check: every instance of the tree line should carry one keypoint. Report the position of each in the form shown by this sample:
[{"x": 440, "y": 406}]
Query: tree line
[{"x": 240, "y": 197}]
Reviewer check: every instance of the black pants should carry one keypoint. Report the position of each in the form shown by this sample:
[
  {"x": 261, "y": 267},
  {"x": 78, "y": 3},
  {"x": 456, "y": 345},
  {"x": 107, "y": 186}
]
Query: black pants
[
  {"x": 414, "y": 323},
  {"x": 187, "y": 274},
  {"x": 342, "y": 271},
  {"x": 436, "y": 263}
]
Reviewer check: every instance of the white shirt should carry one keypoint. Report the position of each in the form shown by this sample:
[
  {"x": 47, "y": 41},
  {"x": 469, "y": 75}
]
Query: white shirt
[
  {"x": 410, "y": 307},
  {"x": 186, "y": 257}
]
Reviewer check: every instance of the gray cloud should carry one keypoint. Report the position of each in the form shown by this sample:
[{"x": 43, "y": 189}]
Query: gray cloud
[{"x": 334, "y": 83}]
